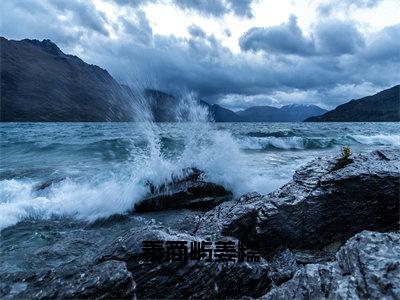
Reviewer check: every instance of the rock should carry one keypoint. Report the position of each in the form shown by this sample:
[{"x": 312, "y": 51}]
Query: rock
[
  {"x": 366, "y": 267},
  {"x": 283, "y": 266},
  {"x": 181, "y": 280},
  {"x": 184, "y": 191},
  {"x": 75, "y": 247},
  {"x": 215, "y": 222},
  {"x": 128, "y": 248},
  {"x": 106, "y": 280},
  {"x": 374, "y": 260},
  {"x": 320, "y": 206}
]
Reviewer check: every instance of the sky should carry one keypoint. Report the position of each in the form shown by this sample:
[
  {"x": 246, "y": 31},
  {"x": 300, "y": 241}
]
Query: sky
[{"x": 237, "y": 53}]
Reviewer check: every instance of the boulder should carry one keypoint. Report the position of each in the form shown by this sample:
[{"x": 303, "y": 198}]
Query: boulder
[
  {"x": 366, "y": 267},
  {"x": 186, "y": 190},
  {"x": 183, "y": 280},
  {"x": 319, "y": 207},
  {"x": 106, "y": 280}
]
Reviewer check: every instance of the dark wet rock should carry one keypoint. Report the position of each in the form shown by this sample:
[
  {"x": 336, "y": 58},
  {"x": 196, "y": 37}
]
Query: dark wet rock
[
  {"x": 374, "y": 260},
  {"x": 106, "y": 280},
  {"x": 77, "y": 247},
  {"x": 179, "y": 280},
  {"x": 128, "y": 247},
  {"x": 283, "y": 266},
  {"x": 184, "y": 191},
  {"x": 320, "y": 206},
  {"x": 366, "y": 267},
  {"x": 221, "y": 219}
]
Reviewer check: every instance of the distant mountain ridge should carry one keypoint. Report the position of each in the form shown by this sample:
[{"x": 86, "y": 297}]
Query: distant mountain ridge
[
  {"x": 381, "y": 107},
  {"x": 287, "y": 113}
]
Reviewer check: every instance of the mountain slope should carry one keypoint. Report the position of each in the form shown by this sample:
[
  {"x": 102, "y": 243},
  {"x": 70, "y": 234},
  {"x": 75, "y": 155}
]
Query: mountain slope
[
  {"x": 221, "y": 114},
  {"x": 381, "y": 107},
  {"x": 263, "y": 114},
  {"x": 287, "y": 113},
  {"x": 41, "y": 83},
  {"x": 300, "y": 112}
]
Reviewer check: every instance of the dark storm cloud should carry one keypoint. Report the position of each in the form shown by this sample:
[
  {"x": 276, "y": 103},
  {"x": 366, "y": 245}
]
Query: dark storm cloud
[
  {"x": 140, "y": 31},
  {"x": 286, "y": 38},
  {"x": 338, "y": 37},
  {"x": 386, "y": 48},
  {"x": 83, "y": 13},
  {"x": 207, "y": 7},
  {"x": 332, "y": 37},
  {"x": 218, "y": 7},
  {"x": 40, "y": 19},
  {"x": 333, "y": 64}
]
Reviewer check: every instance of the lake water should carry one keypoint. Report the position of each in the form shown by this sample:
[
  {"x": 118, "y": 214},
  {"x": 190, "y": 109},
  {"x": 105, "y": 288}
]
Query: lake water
[{"x": 59, "y": 177}]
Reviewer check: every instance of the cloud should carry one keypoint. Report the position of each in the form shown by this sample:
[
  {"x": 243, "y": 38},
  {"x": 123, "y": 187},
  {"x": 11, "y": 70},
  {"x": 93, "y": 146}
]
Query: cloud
[
  {"x": 385, "y": 48},
  {"x": 83, "y": 13},
  {"x": 140, "y": 30},
  {"x": 328, "y": 8},
  {"x": 216, "y": 8},
  {"x": 331, "y": 37},
  {"x": 286, "y": 38},
  {"x": 338, "y": 37},
  {"x": 277, "y": 65},
  {"x": 196, "y": 31},
  {"x": 241, "y": 7}
]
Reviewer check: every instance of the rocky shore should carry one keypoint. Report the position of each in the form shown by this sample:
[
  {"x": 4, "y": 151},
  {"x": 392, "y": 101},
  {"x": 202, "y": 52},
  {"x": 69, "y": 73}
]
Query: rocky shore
[{"x": 329, "y": 233}]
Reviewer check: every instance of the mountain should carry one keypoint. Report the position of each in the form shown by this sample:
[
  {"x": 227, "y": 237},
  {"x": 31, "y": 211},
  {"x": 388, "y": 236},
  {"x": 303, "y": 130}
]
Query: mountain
[
  {"x": 287, "y": 113},
  {"x": 221, "y": 114},
  {"x": 41, "y": 83},
  {"x": 381, "y": 107},
  {"x": 162, "y": 105},
  {"x": 300, "y": 112},
  {"x": 263, "y": 114}
]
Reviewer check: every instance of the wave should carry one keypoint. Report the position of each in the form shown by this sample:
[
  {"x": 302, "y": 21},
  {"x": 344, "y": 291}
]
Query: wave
[
  {"x": 379, "y": 139},
  {"x": 288, "y": 133},
  {"x": 286, "y": 143},
  {"x": 214, "y": 152}
]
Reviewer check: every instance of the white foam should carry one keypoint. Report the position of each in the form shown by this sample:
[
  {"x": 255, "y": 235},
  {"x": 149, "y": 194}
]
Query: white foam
[{"x": 379, "y": 139}]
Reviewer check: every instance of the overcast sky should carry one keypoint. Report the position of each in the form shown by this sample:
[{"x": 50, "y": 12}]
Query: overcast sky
[{"x": 237, "y": 53}]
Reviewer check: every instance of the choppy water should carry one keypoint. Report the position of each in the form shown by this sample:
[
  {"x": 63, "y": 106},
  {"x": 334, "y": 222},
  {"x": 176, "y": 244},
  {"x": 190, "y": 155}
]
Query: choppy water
[
  {"x": 95, "y": 170},
  {"x": 99, "y": 169}
]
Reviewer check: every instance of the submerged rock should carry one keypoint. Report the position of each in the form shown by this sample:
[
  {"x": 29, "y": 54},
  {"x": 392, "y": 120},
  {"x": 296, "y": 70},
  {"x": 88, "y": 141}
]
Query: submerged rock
[
  {"x": 366, "y": 267},
  {"x": 185, "y": 191},
  {"x": 320, "y": 206}
]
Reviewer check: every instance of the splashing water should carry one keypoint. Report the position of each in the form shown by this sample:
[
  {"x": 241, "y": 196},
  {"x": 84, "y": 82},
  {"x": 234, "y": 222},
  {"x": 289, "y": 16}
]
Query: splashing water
[{"x": 214, "y": 152}]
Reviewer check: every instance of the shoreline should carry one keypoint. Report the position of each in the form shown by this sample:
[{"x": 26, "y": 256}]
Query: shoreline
[{"x": 294, "y": 242}]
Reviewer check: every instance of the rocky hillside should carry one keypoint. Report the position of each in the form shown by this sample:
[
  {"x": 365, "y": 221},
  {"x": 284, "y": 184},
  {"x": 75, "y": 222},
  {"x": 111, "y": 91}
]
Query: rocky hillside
[
  {"x": 41, "y": 83},
  {"x": 381, "y": 107}
]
